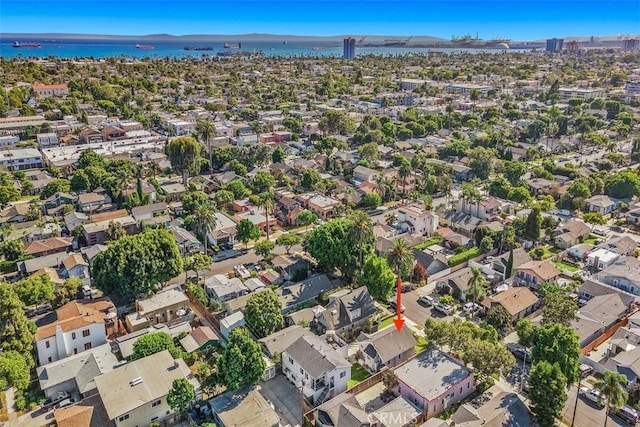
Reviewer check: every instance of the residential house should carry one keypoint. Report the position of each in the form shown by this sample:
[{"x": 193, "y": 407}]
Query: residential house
[
  {"x": 20, "y": 159},
  {"x": 75, "y": 266},
  {"x": 90, "y": 135},
  {"x": 601, "y": 204},
  {"x": 43, "y": 91},
  {"x": 245, "y": 407},
  {"x": 257, "y": 217},
  {"x": 79, "y": 326},
  {"x": 316, "y": 368},
  {"x": 486, "y": 210},
  {"x": 570, "y": 233},
  {"x": 415, "y": 219},
  {"x": 386, "y": 348},
  {"x": 535, "y": 273},
  {"x": 187, "y": 242},
  {"x": 149, "y": 211},
  {"x": 75, "y": 219},
  {"x": 347, "y": 309},
  {"x": 343, "y": 410},
  {"x": 224, "y": 230},
  {"x": 362, "y": 173},
  {"x": 200, "y": 338},
  {"x": 53, "y": 245},
  {"x": 173, "y": 191},
  {"x": 231, "y": 322},
  {"x": 93, "y": 202},
  {"x": 518, "y": 302},
  {"x": 136, "y": 393},
  {"x": 46, "y": 140},
  {"x": 434, "y": 381},
  {"x": 601, "y": 258},
  {"x": 296, "y": 294},
  {"x": 273, "y": 345},
  {"x": 95, "y": 231},
  {"x": 163, "y": 307},
  {"x": 52, "y": 204},
  {"x": 322, "y": 206},
  {"x": 622, "y": 245},
  {"x": 75, "y": 374},
  {"x": 623, "y": 274},
  {"x": 633, "y": 215},
  {"x": 223, "y": 289},
  {"x": 112, "y": 133},
  {"x": 290, "y": 265},
  {"x": 500, "y": 406},
  {"x": 30, "y": 266},
  {"x": 499, "y": 264},
  {"x": 17, "y": 212},
  {"x": 599, "y": 316}
]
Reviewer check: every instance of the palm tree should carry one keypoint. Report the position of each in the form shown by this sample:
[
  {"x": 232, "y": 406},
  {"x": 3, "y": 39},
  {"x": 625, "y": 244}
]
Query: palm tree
[
  {"x": 476, "y": 281},
  {"x": 205, "y": 220},
  {"x": 265, "y": 201},
  {"x": 612, "y": 388},
  {"x": 400, "y": 258},
  {"x": 206, "y": 130},
  {"x": 360, "y": 232},
  {"x": 403, "y": 173}
]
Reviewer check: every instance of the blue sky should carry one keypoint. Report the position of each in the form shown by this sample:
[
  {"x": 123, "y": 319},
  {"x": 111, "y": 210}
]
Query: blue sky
[{"x": 515, "y": 19}]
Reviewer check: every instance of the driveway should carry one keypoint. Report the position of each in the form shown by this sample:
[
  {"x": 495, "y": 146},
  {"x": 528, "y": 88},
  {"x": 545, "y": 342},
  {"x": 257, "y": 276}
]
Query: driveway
[
  {"x": 285, "y": 399},
  {"x": 419, "y": 313}
]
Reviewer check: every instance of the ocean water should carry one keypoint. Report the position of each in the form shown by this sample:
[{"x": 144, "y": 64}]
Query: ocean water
[{"x": 108, "y": 48}]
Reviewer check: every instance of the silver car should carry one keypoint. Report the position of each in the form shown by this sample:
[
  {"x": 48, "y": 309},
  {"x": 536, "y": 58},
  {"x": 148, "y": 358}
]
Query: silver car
[{"x": 593, "y": 395}]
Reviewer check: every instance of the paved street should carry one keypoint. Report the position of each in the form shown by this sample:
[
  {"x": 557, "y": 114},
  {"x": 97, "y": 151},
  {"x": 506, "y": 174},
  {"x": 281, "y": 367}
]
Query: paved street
[
  {"x": 588, "y": 413},
  {"x": 285, "y": 398}
]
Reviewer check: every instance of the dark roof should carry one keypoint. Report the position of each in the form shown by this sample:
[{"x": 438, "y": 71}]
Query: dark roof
[{"x": 389, "y": 342}]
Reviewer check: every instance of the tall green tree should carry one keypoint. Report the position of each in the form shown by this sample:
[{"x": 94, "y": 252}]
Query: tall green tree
[
  {"x": 612, "y": 387},
  {"x": 558, "y": 308},
  {"x": 533, "y": 224},
  {"x": 241, "y": 361},
  {"x": 265, "y": 201},
  {"x": 488, "y": 358},
  {"x": 181, "y": 394},
  {"x": 558, "y": 344},
  {"x": 15, "y": 370},
  {"x": 547, "y": 391},
  {"x": 196, "y": 261},
  {"x": 206, "y": 131},
  {"x": 35, "y": 290},
  {"x": 377, "y": 277},
  {"x": 263, "y": 313},
  {"x": 476, "y": 283},
  {"x": 16, "y": 330},
  {"x": 499, "y": 318},
  {"x": 306, "y": 218},
  {"x": 509, "y": 268},
  {"x": 400, "y": 258},
  {"x": 246, "y": 230},
  {"x": 329, "y": 245},
  {"x": 361, "y": 233},
  {"x": 263, "y": 248},
  {"x": 137, "y": 264},
  {"x": 12, "y": 249},
  {"x": 154, "y": 343},
  {"x": 184, "y": 155},
  {"x": 204, "y": 222}
]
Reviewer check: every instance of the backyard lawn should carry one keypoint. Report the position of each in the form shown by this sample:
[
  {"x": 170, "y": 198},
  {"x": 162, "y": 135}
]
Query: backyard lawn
[
  {"x": 386, "y": 322},
  {"x": 358, "y": 374},
  {"x": 563, "y": 266}
]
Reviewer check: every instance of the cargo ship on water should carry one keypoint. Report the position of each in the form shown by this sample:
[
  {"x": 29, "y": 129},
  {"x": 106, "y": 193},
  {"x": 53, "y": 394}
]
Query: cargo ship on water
[
  {"x": 32, "y": 45},
  {"x": 145, "y": 46},
  {"x": 232, "y": 45}
]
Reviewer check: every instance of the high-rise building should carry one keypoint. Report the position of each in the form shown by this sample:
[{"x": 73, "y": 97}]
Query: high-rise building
[
  {"x": 349, "y": 48},
  {"x": 630, "y": 44},
  {"x": 554, "y": 45}
]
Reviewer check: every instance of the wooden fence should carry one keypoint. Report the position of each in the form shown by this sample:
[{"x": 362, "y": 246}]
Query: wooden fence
[
  {"x": 202, "y": 309},
  {"x": 605, "y": 336}
]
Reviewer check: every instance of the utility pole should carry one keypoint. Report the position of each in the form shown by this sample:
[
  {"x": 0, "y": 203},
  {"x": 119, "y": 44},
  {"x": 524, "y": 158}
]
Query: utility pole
[{"x": 573, "y": 418}]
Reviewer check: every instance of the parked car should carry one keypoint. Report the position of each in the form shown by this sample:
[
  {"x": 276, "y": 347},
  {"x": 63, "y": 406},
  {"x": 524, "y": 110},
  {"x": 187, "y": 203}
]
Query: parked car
[
  {"x": 444, "y": 309},
  {"x": 426, "y": 300},
  {"x": 470, "y": 307},
  {"x": 41, "y": 309},
  {"x": 393, "y": 305},
  {"x": 593, "y": 395},
  {"x": 54, "y": 400},
  {"x": 585, "y": 370},
  {"x": 65, "y": 402},
  {"x": 618, "y": 229},
  {"x": 628, "y": 414}
]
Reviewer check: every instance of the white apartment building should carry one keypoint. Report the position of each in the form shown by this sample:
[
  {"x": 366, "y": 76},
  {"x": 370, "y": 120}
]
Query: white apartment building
[
  {"x": 580, "y": 93},
  {"x": 417, "y": 220},
  {"x": 79, "y": 326},
  {"x": 47, "y": 140},
  {"x": 8, "y": 141},
  {"x": 315, "y": 367},
  {"x": 18, "y": 159}
]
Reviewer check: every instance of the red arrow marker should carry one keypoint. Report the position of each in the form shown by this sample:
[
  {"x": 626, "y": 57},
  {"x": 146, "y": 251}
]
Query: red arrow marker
[{"x": 399, "y": 321}]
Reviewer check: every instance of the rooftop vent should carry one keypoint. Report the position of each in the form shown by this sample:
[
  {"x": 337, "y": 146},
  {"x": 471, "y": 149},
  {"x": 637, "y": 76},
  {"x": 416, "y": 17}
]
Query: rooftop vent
[{"x": 136, "y": 381}]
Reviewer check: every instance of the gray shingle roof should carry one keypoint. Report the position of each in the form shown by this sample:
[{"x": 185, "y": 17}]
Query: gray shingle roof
[{"x": 315, "y": 356}]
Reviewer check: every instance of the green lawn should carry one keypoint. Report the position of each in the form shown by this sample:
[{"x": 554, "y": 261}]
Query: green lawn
[
  {"x": 422, "y": 344},
  {"x": 358, "y": 374},
  {"x": 386, "y": 322},
  {"x": 563, "y": 266},
  {"x": 592, "y": 239}
]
